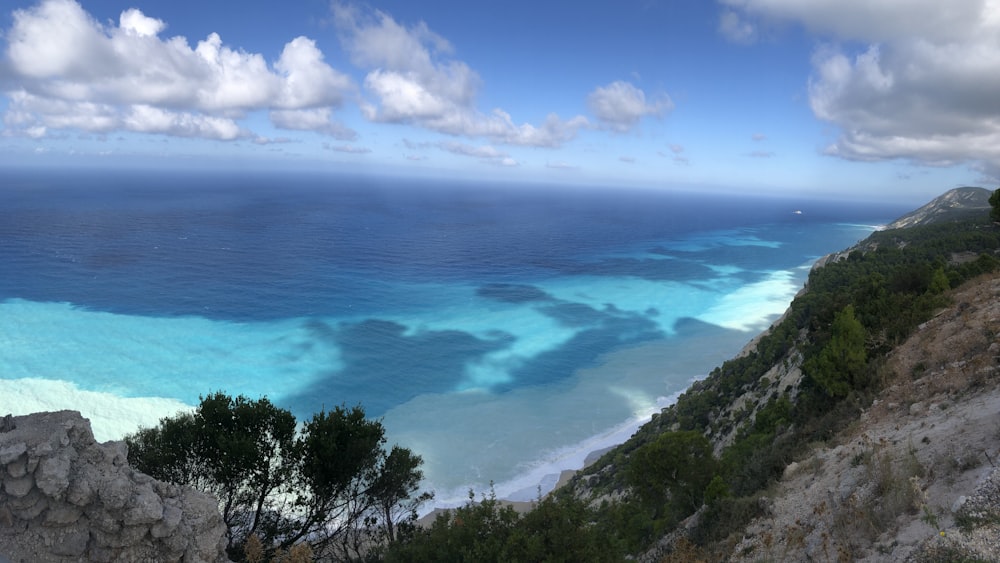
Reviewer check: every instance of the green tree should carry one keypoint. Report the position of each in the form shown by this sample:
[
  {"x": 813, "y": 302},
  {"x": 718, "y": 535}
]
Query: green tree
[
  {"x": 840, "y": 365},
  {"x": 395, "y": 490},
  {"x": 939, "y": 282},
  {"x": 670, "y": 474},
  {"x": 475, "y": 533},
  {"x": 995, "y": 205},
  {"x": 331, "y": 485},
  {"x": 238, "y": 449}
]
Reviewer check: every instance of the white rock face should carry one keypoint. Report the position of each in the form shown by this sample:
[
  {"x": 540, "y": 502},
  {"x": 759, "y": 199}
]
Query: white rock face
[{"x": 64, "y": 497}]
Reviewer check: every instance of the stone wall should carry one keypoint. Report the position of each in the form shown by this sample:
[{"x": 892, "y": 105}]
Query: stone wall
[{"x": 64, "y": 497}]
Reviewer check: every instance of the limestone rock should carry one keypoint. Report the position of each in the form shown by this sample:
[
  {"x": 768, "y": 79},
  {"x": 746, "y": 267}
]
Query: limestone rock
[{"x": 64, "y": 497}]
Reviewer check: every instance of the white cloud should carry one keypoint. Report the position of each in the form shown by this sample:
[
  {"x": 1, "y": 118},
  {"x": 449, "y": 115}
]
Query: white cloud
[
  {"x": 148, "y": 119},
  {"x": 486, "y": 152},
  {"x": 69, "y": 71},
  {"x": 758, "y": 137},
  {"x": 627, "y": 159},
  {"x": 921, "y": 86},
  {"x": 872, "y": 20},
  {"x": 317, "y": 119},
  {"x": 470, "y": 150},
  {"x": 308, "y": 81},
  {"x": 350, "y": 149},
  {"x": 413, "y": 80},
  {"x": 134, "y": 21},
  {"x": 620, "y": 105}
]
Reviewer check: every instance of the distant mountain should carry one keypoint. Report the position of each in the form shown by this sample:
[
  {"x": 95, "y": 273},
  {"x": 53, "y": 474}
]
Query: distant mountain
[{"x": 953, "y": 205}]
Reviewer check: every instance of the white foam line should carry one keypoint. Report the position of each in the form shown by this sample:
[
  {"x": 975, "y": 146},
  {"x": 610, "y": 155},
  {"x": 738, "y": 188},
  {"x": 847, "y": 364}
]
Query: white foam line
[
  {"x": 540, "y": 476},
  {"x": 111, "y": 417}
]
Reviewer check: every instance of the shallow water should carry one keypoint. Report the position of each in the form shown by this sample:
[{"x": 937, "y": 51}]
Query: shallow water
[{"x": 501, "y": 332}]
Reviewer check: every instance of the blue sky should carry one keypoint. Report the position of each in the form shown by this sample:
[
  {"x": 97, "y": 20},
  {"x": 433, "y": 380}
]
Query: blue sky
[{"x": 859, "y": 98}]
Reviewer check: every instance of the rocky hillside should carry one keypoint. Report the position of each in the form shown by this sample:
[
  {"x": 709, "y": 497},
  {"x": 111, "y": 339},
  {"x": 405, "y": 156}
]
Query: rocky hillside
[
  {"x": 861, "y": 426},
  {"x": 956, "y": 204},
  {"x": 64, "y": 497},
  {"x": 916, "y": 477}
]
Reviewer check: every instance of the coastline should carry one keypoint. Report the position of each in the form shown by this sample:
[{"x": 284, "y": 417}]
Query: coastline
[
  {"x": 524, "y": 498},
  {"x": 566, "y": 474}
]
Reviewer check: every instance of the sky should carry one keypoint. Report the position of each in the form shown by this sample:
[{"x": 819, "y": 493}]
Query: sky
[{"x": 879, "y": 99}]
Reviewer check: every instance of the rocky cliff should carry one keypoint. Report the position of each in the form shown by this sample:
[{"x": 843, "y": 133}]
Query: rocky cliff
[
  {"x": 916, "y": 477},
  {"x": 953, "y": 205},
  {"x": 64, "y": 497}
]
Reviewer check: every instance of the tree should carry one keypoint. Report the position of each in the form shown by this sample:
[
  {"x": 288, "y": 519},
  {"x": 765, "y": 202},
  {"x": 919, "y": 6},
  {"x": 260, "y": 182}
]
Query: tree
[
  {"x": 395, "y": 490},
  {"x": 331, "y": 485},
  {"x": 840, "y": 365},
  {"x": 995, "y": 205},
  {"x": 670, "y": 474},
  {"x": 237, "y": 449}
]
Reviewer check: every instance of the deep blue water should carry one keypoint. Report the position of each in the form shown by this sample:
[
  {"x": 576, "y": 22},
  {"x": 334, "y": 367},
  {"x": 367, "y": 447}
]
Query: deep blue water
[{"x": 430, "y": 303}]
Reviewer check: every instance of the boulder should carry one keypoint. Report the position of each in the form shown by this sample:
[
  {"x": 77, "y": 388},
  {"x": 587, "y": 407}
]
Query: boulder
[{"x": 64, "y": 497}]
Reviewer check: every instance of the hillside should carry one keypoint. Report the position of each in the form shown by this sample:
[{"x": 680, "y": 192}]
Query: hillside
[
  {"x": 915, "y": 475},
  {"x": 953, "y": 205},
  {"x": 835, "y": 435}
]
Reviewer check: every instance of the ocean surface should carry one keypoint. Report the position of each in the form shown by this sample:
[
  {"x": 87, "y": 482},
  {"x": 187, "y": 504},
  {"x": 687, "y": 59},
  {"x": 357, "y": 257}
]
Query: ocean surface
[{"x": 502, "y": 332}]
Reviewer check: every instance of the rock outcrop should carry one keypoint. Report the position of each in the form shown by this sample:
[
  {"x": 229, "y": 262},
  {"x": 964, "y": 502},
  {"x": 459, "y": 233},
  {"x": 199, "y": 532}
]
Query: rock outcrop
[{"x": 64, "y": 497}]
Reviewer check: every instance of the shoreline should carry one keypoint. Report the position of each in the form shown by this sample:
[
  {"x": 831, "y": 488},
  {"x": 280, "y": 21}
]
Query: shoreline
[
  {"x": 560, "y": 466},
  {"x": 566, "y": 474},
  {"x": 522, "y": 506}
]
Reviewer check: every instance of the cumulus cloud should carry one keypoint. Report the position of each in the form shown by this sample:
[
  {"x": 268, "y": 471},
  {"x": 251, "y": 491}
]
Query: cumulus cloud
[
  {"x": 914, "y": 80},
  {"x": 620, "y": 105},
  {"x": 316, "y": 119},
  {"x": 869, "y": 20},
  {"x": 413, "y": 79},
  {"x": 67, "y": 70}
]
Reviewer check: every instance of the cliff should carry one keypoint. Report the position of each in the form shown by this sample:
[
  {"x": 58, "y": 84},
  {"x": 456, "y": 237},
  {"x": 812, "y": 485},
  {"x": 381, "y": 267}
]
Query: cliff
[
  {"x": 953, "y": 205},
  {"x": 915, "y": 478},
  {"x": 64, "y": 497}
]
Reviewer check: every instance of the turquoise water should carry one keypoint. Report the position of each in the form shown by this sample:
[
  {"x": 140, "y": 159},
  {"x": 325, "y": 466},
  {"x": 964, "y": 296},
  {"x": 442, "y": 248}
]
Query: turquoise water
[{"x": 501, "y": 332}]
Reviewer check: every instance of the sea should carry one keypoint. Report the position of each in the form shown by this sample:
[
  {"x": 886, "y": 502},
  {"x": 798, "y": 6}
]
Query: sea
[{"x": 503, "y": 332}]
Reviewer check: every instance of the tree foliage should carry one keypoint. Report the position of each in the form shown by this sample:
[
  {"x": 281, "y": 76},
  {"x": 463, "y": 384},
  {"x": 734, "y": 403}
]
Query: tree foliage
[
  {"x": 557, "y": 529},
  {"x": 670, "y": 474},
  {"x": 331, "y": 485},
  {"x": 995, "y": 205},
  {"x": 840, "y": 365}
]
